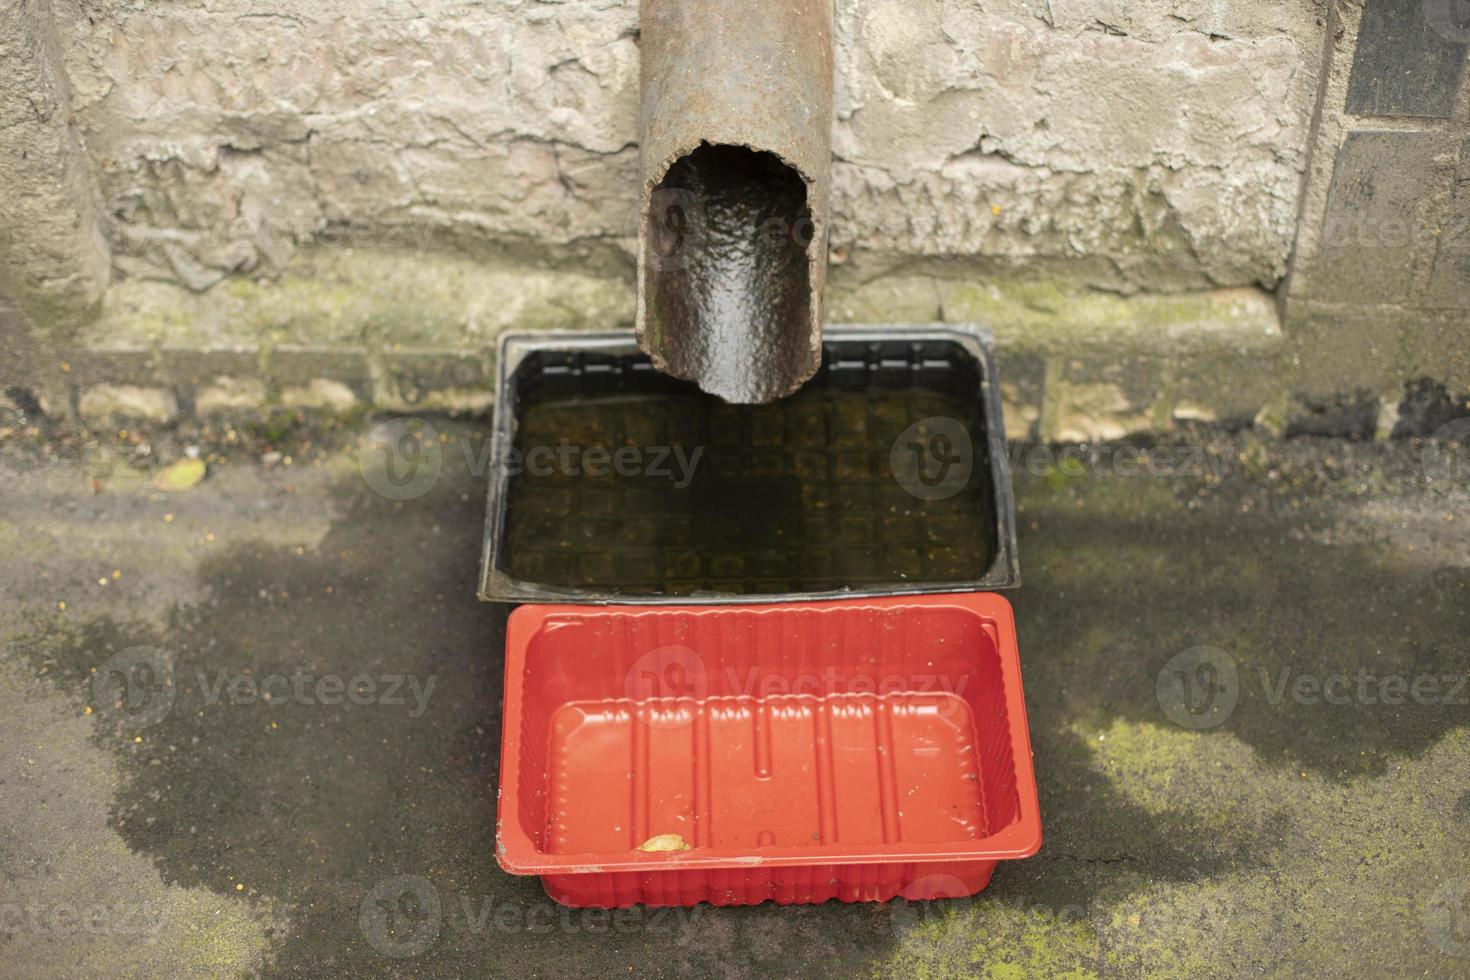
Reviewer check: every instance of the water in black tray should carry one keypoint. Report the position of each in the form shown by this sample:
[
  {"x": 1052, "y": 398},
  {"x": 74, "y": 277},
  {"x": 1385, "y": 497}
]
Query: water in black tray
[{"x": 705, "y": 497}]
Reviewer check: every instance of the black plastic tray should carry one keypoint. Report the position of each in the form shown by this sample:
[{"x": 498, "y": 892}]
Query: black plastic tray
[{"x": 792, "y": 501}]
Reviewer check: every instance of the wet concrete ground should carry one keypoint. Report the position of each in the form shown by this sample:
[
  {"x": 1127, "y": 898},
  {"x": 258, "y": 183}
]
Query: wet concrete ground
[{"x": 257, "y": 816}]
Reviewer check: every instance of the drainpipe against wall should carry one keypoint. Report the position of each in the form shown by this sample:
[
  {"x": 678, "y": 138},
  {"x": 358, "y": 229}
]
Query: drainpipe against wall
[{"x": 736, "y": 160}]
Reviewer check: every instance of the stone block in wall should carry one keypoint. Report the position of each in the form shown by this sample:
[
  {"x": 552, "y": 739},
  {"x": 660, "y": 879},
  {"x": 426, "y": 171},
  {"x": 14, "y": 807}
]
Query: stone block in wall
[
  {"x": 1427, "y": 406},
  {"x": 1409, "y": 58},
  {"x": 115, "y": 403},
  {"x": 1100, "y": 399},
  {"x": 1352, "y": 415},
  {"x": 225, "y": 394},
  {"x": 1384, "y": 209},
  {"x": 294, "y": 367},
  {"x": 1449, "y": 283},
  {"x": 54, "y": 264},
  {"x": 1022, "y": 393},
  {"x": 326, "y": 393},
  {"x": 415, "y": 377}
]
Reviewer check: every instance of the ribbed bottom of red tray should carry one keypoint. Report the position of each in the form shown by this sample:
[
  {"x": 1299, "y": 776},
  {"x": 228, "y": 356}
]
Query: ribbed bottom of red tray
[{"x": 802, "y": 885}]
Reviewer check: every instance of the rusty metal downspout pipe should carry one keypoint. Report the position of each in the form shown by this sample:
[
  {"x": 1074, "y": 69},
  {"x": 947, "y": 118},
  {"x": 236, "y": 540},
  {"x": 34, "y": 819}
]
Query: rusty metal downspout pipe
[{"x": 736, "y": 159}]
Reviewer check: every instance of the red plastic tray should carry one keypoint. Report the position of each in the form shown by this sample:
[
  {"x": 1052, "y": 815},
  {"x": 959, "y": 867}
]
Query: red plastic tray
[{"x": 857, "y": 750}]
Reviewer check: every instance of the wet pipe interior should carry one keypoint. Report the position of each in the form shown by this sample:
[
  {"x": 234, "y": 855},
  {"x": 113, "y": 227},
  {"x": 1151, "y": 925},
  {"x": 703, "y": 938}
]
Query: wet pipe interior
[{"x": 729, "y": 231}]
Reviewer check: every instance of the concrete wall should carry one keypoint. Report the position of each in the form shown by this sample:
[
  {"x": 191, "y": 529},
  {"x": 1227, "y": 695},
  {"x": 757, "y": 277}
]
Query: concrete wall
[
  {"x": 53, "y": 262},
  {"x": 1097, "y": 178},
  {"x": 1380, "y": 288}
]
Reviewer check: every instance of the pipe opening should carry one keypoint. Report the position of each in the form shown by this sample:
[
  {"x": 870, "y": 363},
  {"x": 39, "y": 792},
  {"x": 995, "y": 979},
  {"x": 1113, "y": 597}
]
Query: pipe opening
[{"x": 729, "y": 230}]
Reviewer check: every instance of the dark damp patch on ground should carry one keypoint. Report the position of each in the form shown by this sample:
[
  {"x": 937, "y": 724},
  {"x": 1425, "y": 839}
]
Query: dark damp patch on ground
[{"x": 331, "y": 808}]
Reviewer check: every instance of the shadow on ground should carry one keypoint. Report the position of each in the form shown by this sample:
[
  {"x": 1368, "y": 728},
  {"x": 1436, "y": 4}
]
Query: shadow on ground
[{"x": 373, "y": 823}]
